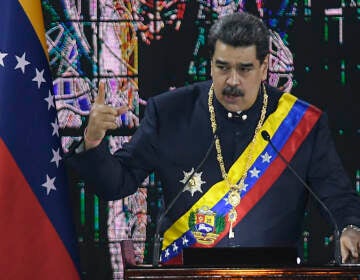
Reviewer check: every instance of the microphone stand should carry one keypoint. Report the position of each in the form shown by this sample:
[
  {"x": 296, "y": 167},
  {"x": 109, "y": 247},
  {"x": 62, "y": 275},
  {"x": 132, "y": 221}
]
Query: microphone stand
[
  {"x": 157, "y": 237},
  {"x": 337, "y": 252}
]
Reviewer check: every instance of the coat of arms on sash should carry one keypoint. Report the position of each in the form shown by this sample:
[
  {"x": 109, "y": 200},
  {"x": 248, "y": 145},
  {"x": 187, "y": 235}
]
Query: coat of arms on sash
[{"x": 206, "y": 225}]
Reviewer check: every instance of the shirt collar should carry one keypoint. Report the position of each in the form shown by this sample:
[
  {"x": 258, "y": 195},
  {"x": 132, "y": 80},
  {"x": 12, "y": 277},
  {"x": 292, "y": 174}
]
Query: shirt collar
[{"x": 243, "y": 116}]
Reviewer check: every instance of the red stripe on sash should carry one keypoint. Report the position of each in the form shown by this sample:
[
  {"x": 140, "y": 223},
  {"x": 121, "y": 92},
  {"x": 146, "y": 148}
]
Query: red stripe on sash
[{"x": 274, "y": 171}]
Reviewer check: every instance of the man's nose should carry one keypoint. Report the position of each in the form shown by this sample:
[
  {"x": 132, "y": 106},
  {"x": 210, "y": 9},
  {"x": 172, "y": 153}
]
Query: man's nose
[{"x": 233, "y": 78}]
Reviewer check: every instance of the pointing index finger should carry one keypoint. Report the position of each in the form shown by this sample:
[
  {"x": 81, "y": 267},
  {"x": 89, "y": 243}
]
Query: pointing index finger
[{"x": 100, "y": 98}]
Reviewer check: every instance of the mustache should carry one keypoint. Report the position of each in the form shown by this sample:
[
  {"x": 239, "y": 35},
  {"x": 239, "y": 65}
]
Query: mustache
[{"x": 232, "y": 91}]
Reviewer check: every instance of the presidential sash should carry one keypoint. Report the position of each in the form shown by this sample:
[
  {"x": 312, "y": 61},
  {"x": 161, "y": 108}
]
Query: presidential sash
[{"x": 205, "y": 224}]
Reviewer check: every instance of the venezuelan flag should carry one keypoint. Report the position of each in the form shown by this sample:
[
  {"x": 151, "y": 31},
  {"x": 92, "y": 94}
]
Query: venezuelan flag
[{"x": 37, "y": 237}]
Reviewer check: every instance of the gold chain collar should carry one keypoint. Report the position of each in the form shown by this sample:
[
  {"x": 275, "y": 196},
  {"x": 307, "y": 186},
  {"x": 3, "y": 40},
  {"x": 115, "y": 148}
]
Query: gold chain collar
[{"x": 235, "y": 189}]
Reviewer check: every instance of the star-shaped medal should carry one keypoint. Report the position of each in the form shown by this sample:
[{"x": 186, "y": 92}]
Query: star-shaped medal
[{"x": 194, "y": 184}]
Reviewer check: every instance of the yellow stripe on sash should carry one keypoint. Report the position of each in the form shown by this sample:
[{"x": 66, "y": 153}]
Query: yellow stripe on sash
[{"x": 219, "y": 190}]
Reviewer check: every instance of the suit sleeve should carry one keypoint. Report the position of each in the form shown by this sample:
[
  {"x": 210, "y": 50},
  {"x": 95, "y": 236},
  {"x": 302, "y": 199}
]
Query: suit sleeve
[
  {"x": 330, "y": 181},
  {"x": 116, "y": 176}
]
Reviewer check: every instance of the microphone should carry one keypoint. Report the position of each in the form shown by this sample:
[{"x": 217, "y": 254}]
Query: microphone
[
  {"x": 337, "y": 254},
  {"x": 157, "y": 237}
]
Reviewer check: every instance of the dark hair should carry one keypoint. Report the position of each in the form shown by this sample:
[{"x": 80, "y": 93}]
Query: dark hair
[{"x": 240, "y": 30}]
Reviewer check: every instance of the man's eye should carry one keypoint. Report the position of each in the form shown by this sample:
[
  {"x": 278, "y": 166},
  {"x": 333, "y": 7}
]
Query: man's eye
[
  {"x": 222, "y": 67},
  {"x": 245, "y": 69}
]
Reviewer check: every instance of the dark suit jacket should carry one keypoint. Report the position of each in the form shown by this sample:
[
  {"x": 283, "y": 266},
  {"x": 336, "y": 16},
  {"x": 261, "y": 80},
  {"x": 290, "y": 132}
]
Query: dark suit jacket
[{"x": 174, "y": 136}]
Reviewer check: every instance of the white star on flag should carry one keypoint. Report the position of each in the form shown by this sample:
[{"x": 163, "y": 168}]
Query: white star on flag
[
  {"x": 184, "y": 241},
  {"x": 50, "y": 100},
  {"x": 2, "y": 56},
  {"x": 266, "y": 157},
  {"x": 49, "y": 184},
  {"x": 21, "y": 62},
  {"x": 55, "y": 127},
  {"x": 167, "y": 253},
  {"x": 254, "y": 172},
  {"x": 175, "y": 247},
  {"x": 39, "y": 78},
  {"x": 56, "y": 157}
]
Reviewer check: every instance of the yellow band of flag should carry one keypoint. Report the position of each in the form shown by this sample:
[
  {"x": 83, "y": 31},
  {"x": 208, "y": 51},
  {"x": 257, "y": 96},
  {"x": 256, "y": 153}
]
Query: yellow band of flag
[{"x": 33, "y": 11}]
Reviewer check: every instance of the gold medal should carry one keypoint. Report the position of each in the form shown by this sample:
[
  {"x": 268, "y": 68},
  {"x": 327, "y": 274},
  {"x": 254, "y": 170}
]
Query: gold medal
[{"x": 234, "y": 198}]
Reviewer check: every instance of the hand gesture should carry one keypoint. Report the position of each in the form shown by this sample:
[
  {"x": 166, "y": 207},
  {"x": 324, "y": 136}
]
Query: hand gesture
[
  {"x": 350, "y": 245},
  {"x": 102, "y": 118}
]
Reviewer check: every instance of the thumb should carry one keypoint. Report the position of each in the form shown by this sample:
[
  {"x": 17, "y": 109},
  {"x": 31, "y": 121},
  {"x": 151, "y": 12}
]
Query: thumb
[
  {"x": 344, "y": 254},
  {"x": 100, "y": 98}
]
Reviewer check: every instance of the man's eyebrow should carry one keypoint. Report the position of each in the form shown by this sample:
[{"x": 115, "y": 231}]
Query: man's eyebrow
[
  {"x": 219, "y": 61},
  {"x": 246, "y": 65},
  {"x": 240, "y": 65}
]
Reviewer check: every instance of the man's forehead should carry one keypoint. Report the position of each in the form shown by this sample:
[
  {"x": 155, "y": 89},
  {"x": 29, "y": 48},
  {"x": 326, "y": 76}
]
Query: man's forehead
[{"x": 235, "y": 55}]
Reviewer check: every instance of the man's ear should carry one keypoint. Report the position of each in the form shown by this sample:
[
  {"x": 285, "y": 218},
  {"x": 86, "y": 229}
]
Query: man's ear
[
  {"x": 211, "y": 67},
  {"x": 265, "y": 67}
]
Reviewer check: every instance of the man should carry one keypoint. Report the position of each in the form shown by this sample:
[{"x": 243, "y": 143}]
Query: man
[{"x": 205, "y": 141}]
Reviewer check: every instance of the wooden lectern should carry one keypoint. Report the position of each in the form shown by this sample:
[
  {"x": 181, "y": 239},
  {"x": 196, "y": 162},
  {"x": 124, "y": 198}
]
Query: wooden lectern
[
  {"x": 317, "y": 273},
  {"x": 187, "y": 272}
]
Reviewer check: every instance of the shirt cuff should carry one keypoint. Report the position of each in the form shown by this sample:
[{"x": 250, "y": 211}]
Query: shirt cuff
[{"x": 351, "y": 227}]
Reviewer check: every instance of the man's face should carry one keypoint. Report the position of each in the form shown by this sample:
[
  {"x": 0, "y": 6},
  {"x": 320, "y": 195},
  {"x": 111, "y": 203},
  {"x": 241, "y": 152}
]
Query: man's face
[{"x": 237, "y": 75}]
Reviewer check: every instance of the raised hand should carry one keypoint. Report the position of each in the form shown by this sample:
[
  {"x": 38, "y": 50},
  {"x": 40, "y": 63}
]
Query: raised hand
[{"x": 102, "y": 118}]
